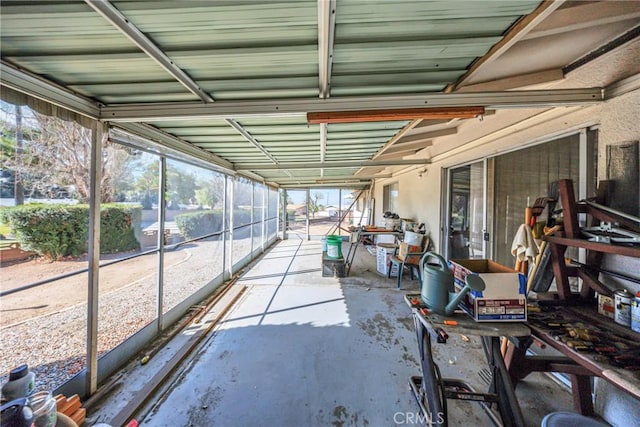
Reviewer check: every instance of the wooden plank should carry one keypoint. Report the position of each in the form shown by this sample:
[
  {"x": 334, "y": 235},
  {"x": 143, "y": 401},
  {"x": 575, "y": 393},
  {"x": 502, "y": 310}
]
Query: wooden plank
[
  {"x": 632, "y": 251},
  {"x": 393, "y": 114},
  {"x": 569, "y": 211},
  {"x": 79, "y": 416},
  {"x": 560, "y": 270}
]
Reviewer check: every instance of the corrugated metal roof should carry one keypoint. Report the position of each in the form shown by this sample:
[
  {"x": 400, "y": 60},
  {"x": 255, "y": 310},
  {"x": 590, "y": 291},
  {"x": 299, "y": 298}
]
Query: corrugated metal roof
[{"x": 256, "y": 50}]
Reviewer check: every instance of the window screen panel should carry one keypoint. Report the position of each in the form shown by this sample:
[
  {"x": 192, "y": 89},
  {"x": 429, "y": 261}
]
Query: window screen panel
[{"x": 523, "y": 176}]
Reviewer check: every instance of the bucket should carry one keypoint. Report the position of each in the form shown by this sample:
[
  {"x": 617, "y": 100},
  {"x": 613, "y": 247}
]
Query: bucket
[
  {"x": 412, "y": 238},
  {"x": 334, "y": 246},
  {"x": 408, "y": 224},
  {"x": 392, "y": 223}
]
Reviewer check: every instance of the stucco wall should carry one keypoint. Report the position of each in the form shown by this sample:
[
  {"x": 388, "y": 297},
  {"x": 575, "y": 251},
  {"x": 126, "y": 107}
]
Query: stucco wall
[{"x": 618, "y": 120}]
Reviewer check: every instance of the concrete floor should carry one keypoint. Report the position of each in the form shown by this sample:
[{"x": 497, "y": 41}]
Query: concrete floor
[{"x": 299, "y": 349}]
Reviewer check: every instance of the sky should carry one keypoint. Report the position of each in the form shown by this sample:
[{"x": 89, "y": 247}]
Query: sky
[{"x": 329, "y": 196}]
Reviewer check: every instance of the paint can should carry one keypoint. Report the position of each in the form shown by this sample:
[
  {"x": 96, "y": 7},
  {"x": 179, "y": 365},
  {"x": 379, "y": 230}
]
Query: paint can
[
  {"x": 622, "y": 302},
  {"x": 635, "y": 313}
]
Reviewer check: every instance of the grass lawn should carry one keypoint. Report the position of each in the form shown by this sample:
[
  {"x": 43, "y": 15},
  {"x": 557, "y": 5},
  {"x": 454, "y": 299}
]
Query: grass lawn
[{"x": 5, "y": 230}]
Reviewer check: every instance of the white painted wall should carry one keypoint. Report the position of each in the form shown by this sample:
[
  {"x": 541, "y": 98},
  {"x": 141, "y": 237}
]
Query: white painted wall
[{"x": 420, "y": 198}]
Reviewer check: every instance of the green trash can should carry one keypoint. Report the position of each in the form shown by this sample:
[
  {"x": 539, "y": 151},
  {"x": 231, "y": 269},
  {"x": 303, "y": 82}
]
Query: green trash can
[{"x": 334, "y": 246}]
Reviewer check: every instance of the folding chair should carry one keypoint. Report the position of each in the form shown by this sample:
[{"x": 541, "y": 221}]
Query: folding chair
[{"x": 410, "y": 260}]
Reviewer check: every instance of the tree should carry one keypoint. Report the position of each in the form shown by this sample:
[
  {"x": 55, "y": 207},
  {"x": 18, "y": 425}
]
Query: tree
[
  {"x": 181, "y": 187},
  {"x": 209, "y": 192},
  {"x": 147, "y": 184},
  {"x": 54, "y": 159},
  {"x": 18, "y": 192},
  {"x": 314, "y": 206}
]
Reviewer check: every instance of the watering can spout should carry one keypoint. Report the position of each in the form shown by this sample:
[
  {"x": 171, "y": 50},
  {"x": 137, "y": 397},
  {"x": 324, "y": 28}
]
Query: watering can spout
[{"x": 472, "y": 282}]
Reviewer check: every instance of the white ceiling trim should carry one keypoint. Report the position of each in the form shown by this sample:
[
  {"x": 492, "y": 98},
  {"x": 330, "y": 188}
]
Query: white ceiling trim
[
  {"x": 329, "y": 165},
  {"x": 301, "y": 106},
  {"x": 172, "y": 142},
  {"x": 330, "y": 178},
  {"x": 585, "y": 15},
  {"x": 39, "y": 88},
  {"x": 515, "y": 82},
  {"x": 513, "y": 36},
  {"x": 510, "y": 129}
]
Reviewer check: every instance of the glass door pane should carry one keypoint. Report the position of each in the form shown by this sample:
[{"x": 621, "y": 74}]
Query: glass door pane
[
  {"x": 333, "y": 211},
  {"x": 296, "y": 221},
  {"x": 465, "y": 237}
]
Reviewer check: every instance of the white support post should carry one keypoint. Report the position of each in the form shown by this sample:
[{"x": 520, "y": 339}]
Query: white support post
[
  {"x": 162, "y": 189},
  {"x": 98, "y": 132}
]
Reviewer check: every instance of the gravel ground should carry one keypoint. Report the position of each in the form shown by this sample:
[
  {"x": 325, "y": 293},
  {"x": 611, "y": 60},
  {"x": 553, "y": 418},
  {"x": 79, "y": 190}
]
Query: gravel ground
[{"x": 54, "y": 344}]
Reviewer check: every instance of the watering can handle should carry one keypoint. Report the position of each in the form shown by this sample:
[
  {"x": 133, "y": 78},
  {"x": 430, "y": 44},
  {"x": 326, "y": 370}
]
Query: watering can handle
[{"x": 443, "y": 263}]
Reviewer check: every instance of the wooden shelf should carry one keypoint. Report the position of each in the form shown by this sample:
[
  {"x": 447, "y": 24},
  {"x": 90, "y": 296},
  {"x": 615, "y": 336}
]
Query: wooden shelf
[
  {"x": 579, "y": 366},
  {"x": 632, "y": 251},
  {"x": 558, "y": 246}
]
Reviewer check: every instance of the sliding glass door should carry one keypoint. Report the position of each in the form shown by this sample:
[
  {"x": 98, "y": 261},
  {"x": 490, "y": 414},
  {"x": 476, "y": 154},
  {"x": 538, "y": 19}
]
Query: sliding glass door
[{"x": 466, "y": 230}]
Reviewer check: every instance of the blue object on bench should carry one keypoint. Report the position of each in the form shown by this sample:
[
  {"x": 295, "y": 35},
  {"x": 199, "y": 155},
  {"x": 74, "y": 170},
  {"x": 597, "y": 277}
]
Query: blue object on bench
[{"x": 570, "y": 419}]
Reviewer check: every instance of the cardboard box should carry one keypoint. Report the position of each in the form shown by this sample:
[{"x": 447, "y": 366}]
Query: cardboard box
[
  {"x": 406, "y": 248},
  {"x": 382, "y": 261},
  {"x": 504, "y": 298},
  {"x": 385, "y": 238}
]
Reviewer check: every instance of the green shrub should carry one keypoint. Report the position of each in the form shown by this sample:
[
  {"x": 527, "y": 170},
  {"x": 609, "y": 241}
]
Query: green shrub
[
  {"x": 200, "y": 223},
  {"x": 118, "y": 223},
  {"x": 52, "y": 231},
  {"x": 242, "y": 217},
  {"x": 56, "y": 231},
  {"x": 196, "y": 224}
]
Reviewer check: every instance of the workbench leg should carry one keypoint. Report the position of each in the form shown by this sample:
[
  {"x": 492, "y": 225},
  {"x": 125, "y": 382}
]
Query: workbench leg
[
  {"x": 508, "y": 406},
  {"x": 431, "y": 397},
  {"x": 581, "y": 390},
  {"x": 516, "y": 362}
]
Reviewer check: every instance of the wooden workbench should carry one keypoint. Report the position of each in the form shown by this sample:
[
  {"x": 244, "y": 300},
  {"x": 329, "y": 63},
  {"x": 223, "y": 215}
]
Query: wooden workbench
[{"x": 579, "y": 365}]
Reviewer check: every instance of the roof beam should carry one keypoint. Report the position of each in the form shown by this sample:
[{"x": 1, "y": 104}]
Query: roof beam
[
  {"x": 302, "y": 106},
  {"x": 430, "y": 123},
  {"x": 516, "y": 33},
  {"x": 326, "y": 33},
  {"x": 172, "y": 142},
  {"x": 45, "y": 90},
  {"x": 623, "y": 86},
  {"x": 330, "y": 165},
  {"x": 408, "y": 148},
  {"x": 327, "y": 178},
  {"x": 514, "y": 82},
  {"x": 122, "y": 23},
  {"x": 251, "y": 139},
  {"x": 323, "y": 142},
  {"x": 343, "y": 184},
  {"x": 584, "y": 15},
  {"x": 425, "y": 136}
]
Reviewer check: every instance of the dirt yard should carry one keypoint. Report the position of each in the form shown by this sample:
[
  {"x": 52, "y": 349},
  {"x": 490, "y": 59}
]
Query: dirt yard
[{"x": 60, "y": 294}]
